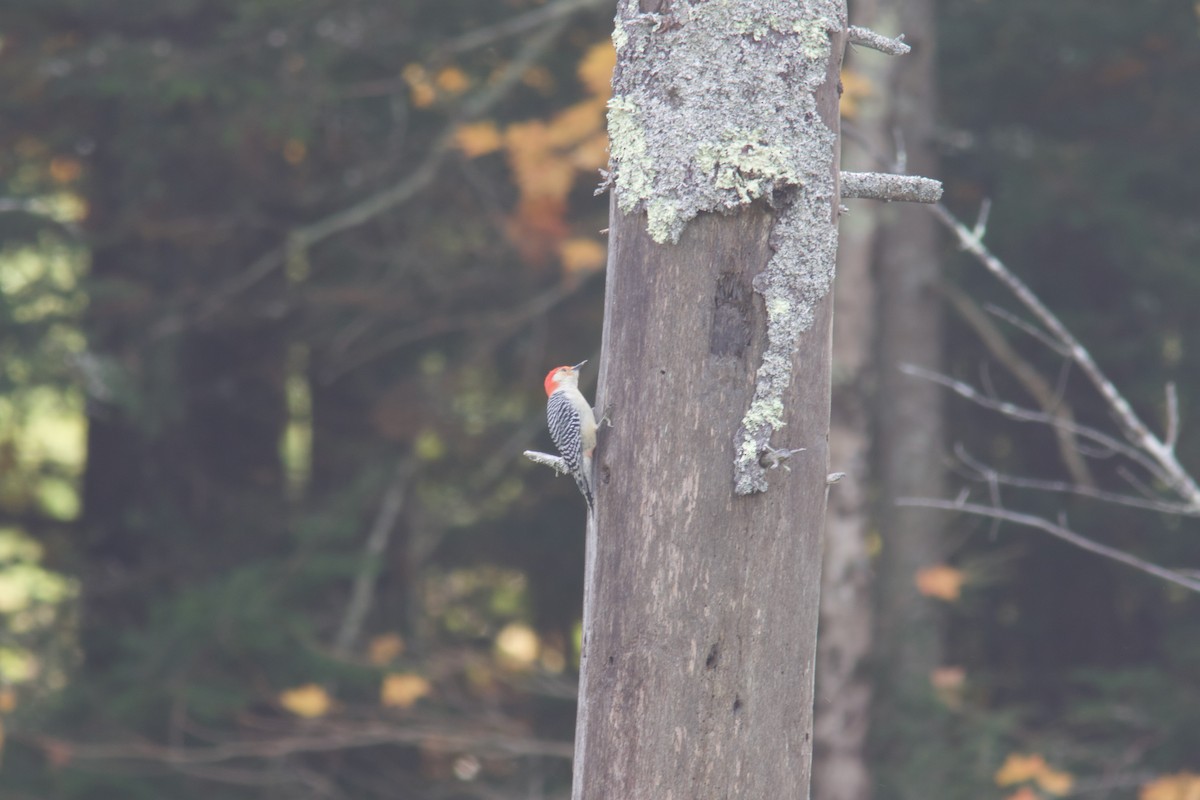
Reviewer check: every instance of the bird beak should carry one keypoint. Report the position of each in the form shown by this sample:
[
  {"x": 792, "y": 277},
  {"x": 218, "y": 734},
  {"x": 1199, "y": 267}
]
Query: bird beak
[{"x": 577, "y": 366}]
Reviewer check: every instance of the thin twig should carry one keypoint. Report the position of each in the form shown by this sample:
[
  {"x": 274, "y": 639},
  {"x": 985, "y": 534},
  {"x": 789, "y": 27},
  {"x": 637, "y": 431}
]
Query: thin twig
[
  {"x": 363, "y": 592},
  {"x": 1171, "y": 438},
  {"x": 331, "y": 738},
  {"x": 1029, "y": 328},
  {"x": 1057, "y": 531},
  {"x": 1022, "y": 414},
  {"x": 983, "y": 471},
  {"x": 304, "y": 237},
  {"x": 1032, "y": 380},
  {"x": 1134, "y": 429}
]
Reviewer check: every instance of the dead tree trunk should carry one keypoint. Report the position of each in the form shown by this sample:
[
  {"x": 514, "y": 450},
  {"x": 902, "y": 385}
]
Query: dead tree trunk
[
  {"x": 704, "y": 556},
  {"x": 698, "y": 655}
]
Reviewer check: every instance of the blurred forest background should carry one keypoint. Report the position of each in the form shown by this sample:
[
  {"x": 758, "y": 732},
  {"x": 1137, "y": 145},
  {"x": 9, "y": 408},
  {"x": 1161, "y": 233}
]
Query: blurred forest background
[{"x": 280, "y": 279}]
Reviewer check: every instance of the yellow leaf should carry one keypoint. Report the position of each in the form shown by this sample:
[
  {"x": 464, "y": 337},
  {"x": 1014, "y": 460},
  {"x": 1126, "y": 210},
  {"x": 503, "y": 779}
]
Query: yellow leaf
[
  {"x": 294, "y": 151},
  {"x": 941, "y": 581},
  {"x": 592, "y": 153},
  {"x": 856, "y": 88},
  {"x": 517, "y": 645},
  {"x": 582, "y": 255},
  {"x": 575, "y": 123},
  {"x": 538, "y": 77},
  {"x": 423, "y": 93},
  {"x": 65, "y": 170},
  {"x": 1020, "y": 768},
  {"x": 1024, "y": 793},
  {"x": 596, "y": 68},
  {"x": 948, "y": 683},
  {"x": 309, "y": 701},
  {"x": 8, "y": 700},
  {"x": 453, "y": 80},
  {"x": 403, "y": 689},
  {"x": 385, "y": 648},
  {"x": 1182, "y": 786},
  {"x": 478, "y": 138},
  {"x": 1055, "y": 782}
]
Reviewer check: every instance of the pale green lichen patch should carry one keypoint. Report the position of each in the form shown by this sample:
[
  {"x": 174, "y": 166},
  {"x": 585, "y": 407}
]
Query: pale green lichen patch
[
  {"x": 628, "y": 146},
  {"x": 713, "y": 108},
  {"x": 619, "y": 39},
  {"x": 744, "y": 163},
  {"x": 711, "y": 103}
]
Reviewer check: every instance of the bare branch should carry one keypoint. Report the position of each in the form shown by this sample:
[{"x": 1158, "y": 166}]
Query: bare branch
[
  {"x": 877, "y": 41},
  {"x": 1148, "y": 503},
  {"x": 329, "y": 738},
  {"x": 1037, "y": 386},
  {"x": 482, "y": 37},
  {"x": 1029, "y": 328},
  {"x": 363, "y": 592},
  {"x": 1171, "y": 438},
  {"x": 1134, "y": 429},
  {"x": 1022, "y": 414},
  {"x": 304, "y": 237},
  {"x": 886, "y": 186},
  {"x": 1058, "y": 531}
]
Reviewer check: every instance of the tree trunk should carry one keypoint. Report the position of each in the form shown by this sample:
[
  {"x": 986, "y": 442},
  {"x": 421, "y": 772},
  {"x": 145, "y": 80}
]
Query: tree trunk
[
  {"x": 911, "y": 458},
  {"x": 703, "y": 578},
  {"x": 844, "y": 690}
]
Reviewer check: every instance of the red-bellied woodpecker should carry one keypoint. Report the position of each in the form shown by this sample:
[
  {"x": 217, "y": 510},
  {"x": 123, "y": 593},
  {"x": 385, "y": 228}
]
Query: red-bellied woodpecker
[{"x": 572, "y": 425}]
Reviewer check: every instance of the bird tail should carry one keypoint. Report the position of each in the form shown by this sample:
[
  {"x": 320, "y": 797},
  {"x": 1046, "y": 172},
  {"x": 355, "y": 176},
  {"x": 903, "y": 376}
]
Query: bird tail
[{"x": 583, "y": 478}]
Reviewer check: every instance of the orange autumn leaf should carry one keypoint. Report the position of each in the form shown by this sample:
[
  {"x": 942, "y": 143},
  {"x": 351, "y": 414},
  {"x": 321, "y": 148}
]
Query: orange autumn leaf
[
  {"x": 538, "y": 170},
  {"x": 1181, "y": 786},
  {"x": 403, "y": 689},
  {"x": 308, "y": 701},
  {"x": 582, "y": 255},
  {"x": 65, "y": 170},
  {"x": 1019, "y": 768},
  {"x": 592, "y": 153},
  {"x": 596, "y": 68},
  {"x": 452, "y": 80},
  {"x": 385, "y": 648},
  {"x": 856, "y": 88},
  {"x": 294, "y": 151},
  {"x": 539, "y": 224},
  {"x": 941, "y": 581},
  {"x": 948, "y": 684},
  {"x": 1024, "y": 793},
  {"x": 575, "y": 123},
  {"x": 422, "y": 92},
  {"x": 1055, "y": 781},
  {"x": 538, "y": 77},
  {"x": 478, "y": 138}
]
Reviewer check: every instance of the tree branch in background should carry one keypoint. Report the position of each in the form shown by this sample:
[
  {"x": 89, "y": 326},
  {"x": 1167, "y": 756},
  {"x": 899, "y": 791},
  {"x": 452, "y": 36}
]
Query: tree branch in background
[
  {"x": 363, "y": 592},
  {"x": 1058, "y": 531},
  {"x": 1160, "y": 451},
  {"x": 1139, "y": 444},
  {"x": 299, "y": 240},
  {"x": 1047, "y": 398}
]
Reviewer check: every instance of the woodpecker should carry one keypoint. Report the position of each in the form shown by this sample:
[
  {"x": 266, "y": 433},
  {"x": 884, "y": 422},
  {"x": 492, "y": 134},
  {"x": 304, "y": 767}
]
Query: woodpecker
[{"x": 572, "y": 426}]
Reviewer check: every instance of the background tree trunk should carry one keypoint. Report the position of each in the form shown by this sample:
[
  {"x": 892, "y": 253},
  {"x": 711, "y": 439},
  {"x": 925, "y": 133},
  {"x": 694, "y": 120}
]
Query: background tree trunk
[
  {"x": 701, "y": 605},
  {"x": 911, "y": 459}
]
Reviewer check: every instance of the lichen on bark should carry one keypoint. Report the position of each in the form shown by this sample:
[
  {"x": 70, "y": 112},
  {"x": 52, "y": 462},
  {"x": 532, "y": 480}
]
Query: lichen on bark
[{"x": 713, "y": 108}]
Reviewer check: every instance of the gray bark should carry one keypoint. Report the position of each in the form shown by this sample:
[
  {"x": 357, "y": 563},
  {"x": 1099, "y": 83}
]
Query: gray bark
[
  {"x": 911, "y": 459},
  {"x": 701, "y": 600},
  {"x": 844, "y": 690}
]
